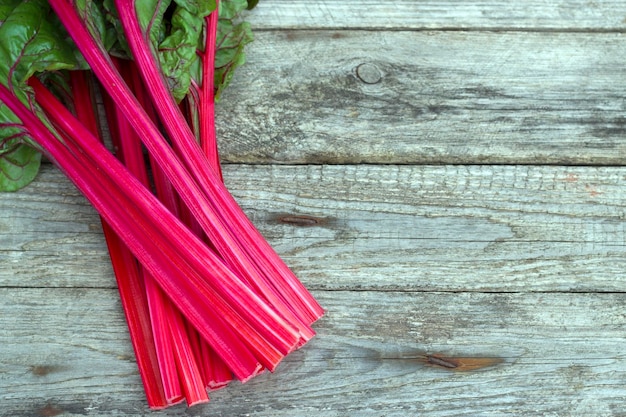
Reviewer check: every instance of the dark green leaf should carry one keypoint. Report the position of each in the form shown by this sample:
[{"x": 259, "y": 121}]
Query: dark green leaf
[
  {"x": 231, "y": 40},
  {"x": 230, "y": 9},
  {"x": 31, "y": 41},
  {"x": 175, "y": 30},
  {"x": 114, "y": 29},
  {"x": 94, "y": 16},
  {"x": 252, "y": 4},
  {"x": 178, "y": 51},
  {"x": 7, "y": 7},
  {"x": 19, "y": 162},
  {"x": 151, "y": 15}
]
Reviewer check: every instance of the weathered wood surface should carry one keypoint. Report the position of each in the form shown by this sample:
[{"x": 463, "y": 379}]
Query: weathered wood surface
[
  {"x": 428, "y": 97},
  {"x": 404, "y": 258},
  {"x": 577, "y": 15},
  {"x": 438, "y": 228},
  {"x": 519, "y": 264},
  {"x": 554, "y": 354}
]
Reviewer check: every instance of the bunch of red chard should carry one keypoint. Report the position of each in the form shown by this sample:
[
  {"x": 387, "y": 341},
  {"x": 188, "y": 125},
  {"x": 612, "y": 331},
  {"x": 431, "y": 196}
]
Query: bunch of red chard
[{"x": 207, "y": 300}]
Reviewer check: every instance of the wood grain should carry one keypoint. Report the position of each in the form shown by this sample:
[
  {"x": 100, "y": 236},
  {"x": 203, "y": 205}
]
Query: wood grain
[
  {"x": 426, "y": 228},
  {"x": 428, "y": 97},
  {"x": 562, "y": 354},
  {"x": 448, "y": 179},
  {"x": 443, "y": 14}
]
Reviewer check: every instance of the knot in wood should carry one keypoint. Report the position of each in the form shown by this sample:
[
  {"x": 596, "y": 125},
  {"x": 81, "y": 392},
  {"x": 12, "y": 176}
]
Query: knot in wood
[{"x": 369, "y": 73}]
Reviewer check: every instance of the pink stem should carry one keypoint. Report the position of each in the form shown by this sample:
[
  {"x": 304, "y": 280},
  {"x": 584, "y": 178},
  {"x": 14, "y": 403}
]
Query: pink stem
[{"x": 208, "y": 139}]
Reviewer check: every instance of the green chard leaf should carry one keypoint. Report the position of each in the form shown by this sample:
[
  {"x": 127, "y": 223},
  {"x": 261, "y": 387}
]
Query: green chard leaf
[
  {"x": 19, "y": 162},
  {"x": 178, "y": 51},
  {"x": 232, "y": 37},
  {"x": 252, "y": 4},
  {"x": 175, "y": 29},
  {"x": 230, "y": 9},
  {"x": 31, "y": 41},
  {"x": 150, "y": 13},
  {"x": 114, "y": 29},
  {"x": 94, "y": 15}
]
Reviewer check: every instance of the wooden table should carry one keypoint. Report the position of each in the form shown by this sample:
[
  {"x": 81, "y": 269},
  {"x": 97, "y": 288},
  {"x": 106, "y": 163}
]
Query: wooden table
[{"x": 446, "y": 177}]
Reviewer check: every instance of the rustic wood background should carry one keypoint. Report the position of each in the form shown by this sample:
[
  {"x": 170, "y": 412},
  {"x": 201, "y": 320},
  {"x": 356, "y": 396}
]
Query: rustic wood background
[{"x": 447, "y": 177}]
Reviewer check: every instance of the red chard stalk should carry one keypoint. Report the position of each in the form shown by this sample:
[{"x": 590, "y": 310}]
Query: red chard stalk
[{"x": 206, "y": 298}]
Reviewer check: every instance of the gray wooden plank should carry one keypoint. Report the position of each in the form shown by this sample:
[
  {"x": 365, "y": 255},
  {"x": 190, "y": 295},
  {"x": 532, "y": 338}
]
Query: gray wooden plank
[
  {"x": 66, "y": 351},
  {"x": 468, "y": 228},
  {"x": 51, "y": 236},
  {"x": 442, "y": 97},
  {"x": 442, "y": 228},
  {"x": 446, "y": 14}
]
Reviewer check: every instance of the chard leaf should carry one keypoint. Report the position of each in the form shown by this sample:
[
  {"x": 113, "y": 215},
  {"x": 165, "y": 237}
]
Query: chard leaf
[
  {"x": 229, "y": 9},
  {"x": 151, "y": 15},
  {"x": 175, "y": 29},
  {"x": 120, "y": 47},
  {"x": 176, "y": 32},
  {"x": 19, "y": 162},
  {"x": 252, "y": 4},
  {"x": 177, "y": 52},
  {"x": 232, "y": 37},
  {"x": 94, "y": 15},
  {"x": 7, "y": 7},
  {"x": 31, "y": 41}
]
